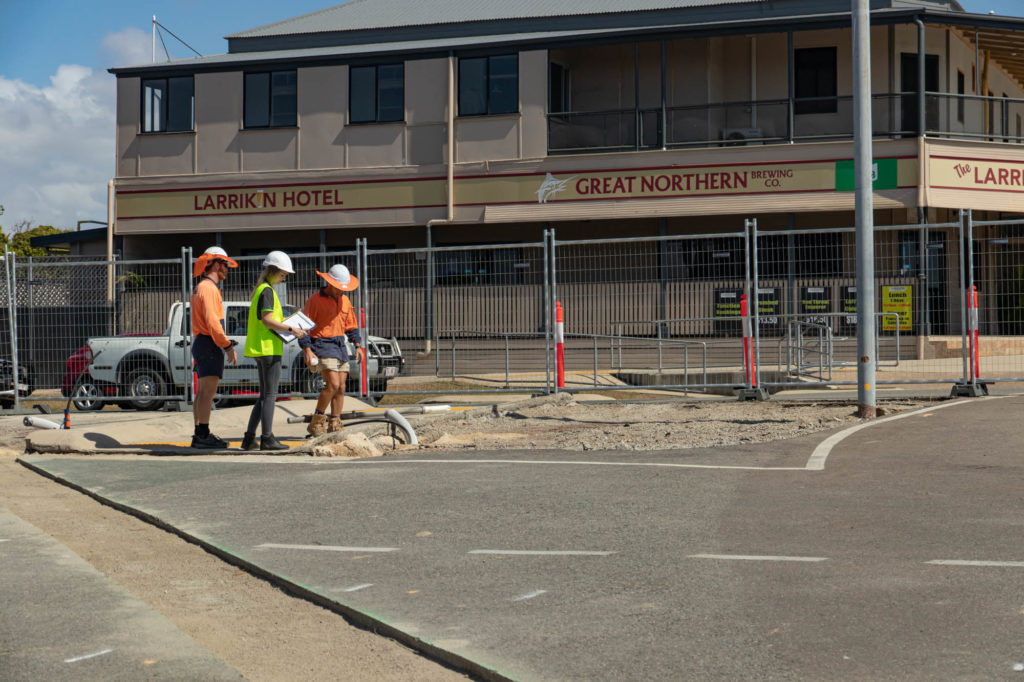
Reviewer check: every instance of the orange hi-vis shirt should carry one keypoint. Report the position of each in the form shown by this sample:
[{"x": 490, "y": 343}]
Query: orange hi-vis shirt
[
  {"x": 208, "y": 311},
  {"x": 333, "y": 317}
]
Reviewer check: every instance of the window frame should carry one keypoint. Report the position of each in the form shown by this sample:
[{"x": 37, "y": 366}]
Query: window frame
[
  {"x": 813, "y": 55},
  {"x": 487, "y": 85},
  {"x": 165, "y": 106},
  {"x": 270, "y": 100},
  {"x": 376, "y": 94},
  {"x": 961, "y": 91}
]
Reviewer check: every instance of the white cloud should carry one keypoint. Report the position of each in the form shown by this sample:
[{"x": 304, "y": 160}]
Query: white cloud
[
  {"x": 57, "y": 147},
  {"x": 128, "y": 47}
]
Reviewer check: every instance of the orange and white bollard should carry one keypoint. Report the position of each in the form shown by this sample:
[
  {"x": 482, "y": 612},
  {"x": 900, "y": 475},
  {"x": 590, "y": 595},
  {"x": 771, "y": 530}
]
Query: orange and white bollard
[
  {"x": 364, "y": 378},
  {"x": 748, "y": 346},
  {"x": 972, "y": 333},
  {"x": 559, "y": 345}
]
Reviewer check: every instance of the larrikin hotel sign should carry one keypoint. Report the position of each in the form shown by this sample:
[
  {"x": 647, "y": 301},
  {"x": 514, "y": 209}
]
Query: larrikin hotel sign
[
  {"x": 527, "y": 188},
  {"x": 963, "y": 182}
]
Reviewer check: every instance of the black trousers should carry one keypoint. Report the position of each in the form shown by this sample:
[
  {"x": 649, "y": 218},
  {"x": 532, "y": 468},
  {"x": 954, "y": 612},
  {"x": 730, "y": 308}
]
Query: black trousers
[{"x": 269, "y": 367}]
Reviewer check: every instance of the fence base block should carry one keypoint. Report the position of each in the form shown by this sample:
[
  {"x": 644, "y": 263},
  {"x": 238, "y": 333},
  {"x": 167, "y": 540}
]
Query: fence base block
[
  {"x": 976, "y": 390},
  {"x": 757, "y": 393}
]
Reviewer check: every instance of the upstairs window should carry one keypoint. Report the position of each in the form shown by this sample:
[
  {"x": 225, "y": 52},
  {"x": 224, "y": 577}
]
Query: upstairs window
[
  {"x": 489, "y": 85},
  {"x": 961, "y": 84},
  {"x": 376, "y": 94},
  {"x": 815, "y": 77},
  {"x": 271, "y": 100},
  {"x": 167, "y": 104}
]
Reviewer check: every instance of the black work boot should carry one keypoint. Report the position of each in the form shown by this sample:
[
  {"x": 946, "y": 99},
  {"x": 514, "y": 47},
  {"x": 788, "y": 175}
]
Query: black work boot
[
  {"x": 249, "y": 441},
  {"x": 270, "y": 443}
]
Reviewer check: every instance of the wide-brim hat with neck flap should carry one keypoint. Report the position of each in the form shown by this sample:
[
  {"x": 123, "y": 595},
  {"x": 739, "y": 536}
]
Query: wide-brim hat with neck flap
[
  {"x": 340, "y": 278},
  {"x": 212, "y": 253}
]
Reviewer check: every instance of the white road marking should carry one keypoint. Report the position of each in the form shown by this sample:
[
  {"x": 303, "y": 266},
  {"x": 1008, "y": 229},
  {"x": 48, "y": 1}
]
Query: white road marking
[
  {"x": 961, "y": 562},
  {"x": 755, "y": 557},
  {"x": 530, "y": 595},
  {"x": 821, "y": 453},
  {"x": 6, "y": 540},
  {"x": 82, "y": 658},
  {"x": 326, "y": 548},
  {"x": 356, "y": 588},
  {"x": 532, "y": 552},
  {"x": 588, "y": 463}
]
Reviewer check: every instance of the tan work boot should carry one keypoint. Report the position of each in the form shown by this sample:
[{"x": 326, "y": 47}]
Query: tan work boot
[
  {"x": 334, "y": 425},
  {"x": 317, "y": 425}
]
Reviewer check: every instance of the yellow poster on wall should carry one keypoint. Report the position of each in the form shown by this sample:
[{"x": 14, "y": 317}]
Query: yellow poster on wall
[{"x": 897, "y": 299}]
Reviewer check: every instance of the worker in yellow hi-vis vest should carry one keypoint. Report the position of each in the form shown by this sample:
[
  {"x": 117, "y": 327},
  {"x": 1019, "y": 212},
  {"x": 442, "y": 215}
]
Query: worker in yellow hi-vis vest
[{"x": 263, "y": 344}]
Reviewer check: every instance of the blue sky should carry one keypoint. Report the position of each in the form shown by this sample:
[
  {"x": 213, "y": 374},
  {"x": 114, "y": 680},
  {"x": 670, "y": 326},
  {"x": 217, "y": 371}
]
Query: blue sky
[{"x": 57, "y": 101}]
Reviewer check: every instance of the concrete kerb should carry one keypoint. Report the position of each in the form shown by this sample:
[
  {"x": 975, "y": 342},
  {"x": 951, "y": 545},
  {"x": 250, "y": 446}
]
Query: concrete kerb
[{"x": 350, "y": 614}]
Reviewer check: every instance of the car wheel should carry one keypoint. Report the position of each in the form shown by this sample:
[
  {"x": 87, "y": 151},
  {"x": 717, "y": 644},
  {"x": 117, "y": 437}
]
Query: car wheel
[
  {"x": 143, "y": 383},
  {"x": 86, "y": 397},
  {"x": 312, "y": 383}
]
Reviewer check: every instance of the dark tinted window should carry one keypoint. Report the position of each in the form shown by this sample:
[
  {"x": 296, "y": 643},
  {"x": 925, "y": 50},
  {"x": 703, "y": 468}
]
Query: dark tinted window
[
  {"x": 377, "y": 93},
  {"x": 271, "y": 99},
  {"x": 362, "y": 103},
  {"x": 257, "y": 100},
  {"x": 815, "y": 77},
  {"x": 167, "y": 104},
  {"x": 472, "y": 86}
]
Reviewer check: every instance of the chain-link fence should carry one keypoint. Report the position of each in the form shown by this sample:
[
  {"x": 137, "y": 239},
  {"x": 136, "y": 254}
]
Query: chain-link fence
[{"x": 668, "y": 312}]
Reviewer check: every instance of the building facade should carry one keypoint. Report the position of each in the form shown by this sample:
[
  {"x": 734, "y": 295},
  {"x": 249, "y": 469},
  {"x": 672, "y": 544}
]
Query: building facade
[{"x": 472, "y": 123}]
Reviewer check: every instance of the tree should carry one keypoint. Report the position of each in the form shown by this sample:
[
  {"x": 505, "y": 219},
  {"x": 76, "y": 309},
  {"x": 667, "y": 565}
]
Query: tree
[{"x": 19, "y": 241}]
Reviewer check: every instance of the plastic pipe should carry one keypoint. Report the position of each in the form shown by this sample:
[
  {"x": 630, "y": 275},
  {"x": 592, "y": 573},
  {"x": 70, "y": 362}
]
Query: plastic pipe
[
  {"x": 560, "y": 344},
  {"x": 395, "y": 417}
]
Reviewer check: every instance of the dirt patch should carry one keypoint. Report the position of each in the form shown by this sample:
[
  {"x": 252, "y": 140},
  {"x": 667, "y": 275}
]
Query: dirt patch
[{"x": 560, "y": 423}]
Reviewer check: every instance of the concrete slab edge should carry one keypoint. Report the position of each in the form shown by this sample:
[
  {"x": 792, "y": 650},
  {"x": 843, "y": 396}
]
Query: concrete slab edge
[{"x": 355, "y": 617}]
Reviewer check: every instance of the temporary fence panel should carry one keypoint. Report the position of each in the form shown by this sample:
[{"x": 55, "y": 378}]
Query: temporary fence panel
[
  {"x": 652, "y": 311},
  {"x": 808, "y": 305},
  {"x": 113, "y": 315},
  {"x": 471, "y": 315},
  {"x": 10, "y": 390},
  {"x": 997, "y": 259}
]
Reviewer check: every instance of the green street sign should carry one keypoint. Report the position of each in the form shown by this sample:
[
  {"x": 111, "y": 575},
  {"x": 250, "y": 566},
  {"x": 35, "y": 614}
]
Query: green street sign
[{"x": 883, "y": 174}]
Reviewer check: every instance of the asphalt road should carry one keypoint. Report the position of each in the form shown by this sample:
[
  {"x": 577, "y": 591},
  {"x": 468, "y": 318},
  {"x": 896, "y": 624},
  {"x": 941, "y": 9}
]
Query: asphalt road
[{"x": 902, "y": 558}]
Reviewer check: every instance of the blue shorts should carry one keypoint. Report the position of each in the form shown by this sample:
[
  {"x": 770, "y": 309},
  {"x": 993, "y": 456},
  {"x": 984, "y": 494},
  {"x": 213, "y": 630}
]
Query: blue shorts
[{"x": 209, "y": 357}]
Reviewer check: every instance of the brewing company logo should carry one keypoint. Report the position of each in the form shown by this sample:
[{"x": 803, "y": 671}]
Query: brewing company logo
[{"x": 550, "y": 187}]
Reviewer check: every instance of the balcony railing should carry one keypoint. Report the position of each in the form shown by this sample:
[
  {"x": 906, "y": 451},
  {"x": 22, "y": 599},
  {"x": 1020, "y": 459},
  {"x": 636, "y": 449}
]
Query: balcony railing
[{"x": 783, "y": 121}]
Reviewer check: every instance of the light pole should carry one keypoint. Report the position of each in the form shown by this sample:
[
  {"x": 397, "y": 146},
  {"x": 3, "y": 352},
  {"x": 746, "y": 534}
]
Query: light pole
[{"x": 866, "y": 360}]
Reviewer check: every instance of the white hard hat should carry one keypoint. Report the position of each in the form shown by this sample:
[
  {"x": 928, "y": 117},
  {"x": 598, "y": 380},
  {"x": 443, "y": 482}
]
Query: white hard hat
[
  {"x": 339, "y": 276},
  {"x": 216, "y": 251},
  {"x": 280, "y": 260}
]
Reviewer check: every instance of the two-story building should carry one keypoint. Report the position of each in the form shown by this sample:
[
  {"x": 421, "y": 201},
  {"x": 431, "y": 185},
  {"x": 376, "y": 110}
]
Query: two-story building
[{"x": 475, "y": 122}]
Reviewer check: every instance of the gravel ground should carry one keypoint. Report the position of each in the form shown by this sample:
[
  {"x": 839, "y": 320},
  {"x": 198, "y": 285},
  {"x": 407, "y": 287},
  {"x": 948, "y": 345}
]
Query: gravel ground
[{"x": 559, "y": 422}]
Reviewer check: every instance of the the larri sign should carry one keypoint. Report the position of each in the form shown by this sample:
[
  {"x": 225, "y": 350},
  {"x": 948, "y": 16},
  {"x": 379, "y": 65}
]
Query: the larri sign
[{"x": 983, "y": 183}]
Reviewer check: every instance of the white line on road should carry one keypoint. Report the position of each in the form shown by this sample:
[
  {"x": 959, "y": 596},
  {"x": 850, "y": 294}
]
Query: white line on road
[
  {"x": 755, "y": 557},
  {"x": 530, "y": 595},
  {"x": 821, "y": 453},
  {"x": 531, "y": 552},
  {"x": 76, "y": 659},
  {"x": 547, "y": 461},
  {"x": 356, "y": 588},
  {"x": 6, "y": 540},
  {"x": 326, "y": 548},
  {"x": 960, "y": 562}
]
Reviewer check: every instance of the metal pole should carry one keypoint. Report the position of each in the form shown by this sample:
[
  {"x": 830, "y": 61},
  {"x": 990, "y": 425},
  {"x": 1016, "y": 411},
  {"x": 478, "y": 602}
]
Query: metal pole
[
  {"x": 866, "y": 335},
  {"x": 963, "y": 300},
  {"x": 973, "y": 319},
  {"x": 921, "y": 121},
  {"x": 547, "y": 312},
  {"x": 636, "y": 92},
  {"x": 554, "y": 284},
  {"x": 186, "y": 277},
  {"x": 12, "y": 303},
  {"x": 922, "y": 278},
  {"x": 746, "y": 291},
  {"x": 757, "y": 308},
  {"x": 791, "y": 69},
  {"x": 664, "y": 107}
]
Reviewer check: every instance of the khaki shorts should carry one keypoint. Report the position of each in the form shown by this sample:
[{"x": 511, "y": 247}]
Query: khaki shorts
[{"x": 330, "y": 364}]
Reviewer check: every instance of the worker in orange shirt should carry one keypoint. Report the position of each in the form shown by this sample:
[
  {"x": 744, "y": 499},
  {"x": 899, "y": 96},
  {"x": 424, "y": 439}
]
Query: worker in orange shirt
[
  {"x": 325, "y": 351},
  {"x": 209, "y": 342}
]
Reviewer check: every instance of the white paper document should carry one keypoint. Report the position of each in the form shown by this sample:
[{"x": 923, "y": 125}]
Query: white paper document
[{"x": 296, "y": 321}]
